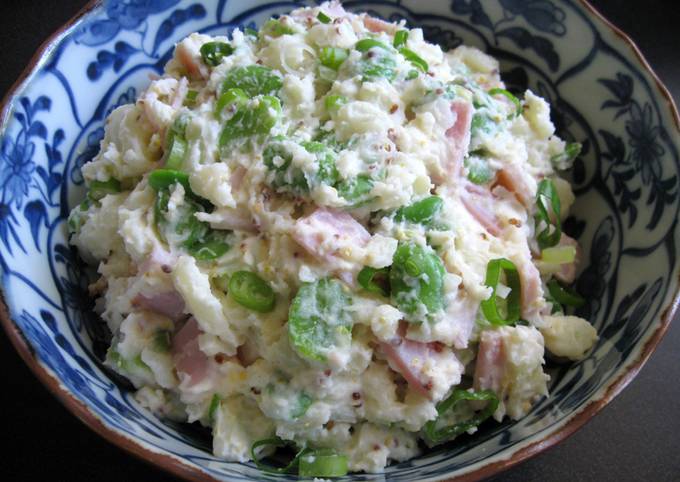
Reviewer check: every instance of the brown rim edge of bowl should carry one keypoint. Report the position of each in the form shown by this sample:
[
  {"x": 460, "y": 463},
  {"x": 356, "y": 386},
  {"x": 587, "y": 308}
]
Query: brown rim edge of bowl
[{"x": 179, "y": 468}]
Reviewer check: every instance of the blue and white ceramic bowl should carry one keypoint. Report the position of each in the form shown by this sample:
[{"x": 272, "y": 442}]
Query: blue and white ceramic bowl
[{"x": 603, "y": 94}]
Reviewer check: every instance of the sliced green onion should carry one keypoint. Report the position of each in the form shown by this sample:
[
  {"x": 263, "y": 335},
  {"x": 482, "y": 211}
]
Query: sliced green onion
[
  {"x": 412, "y": 75},
  {"x": 334, "y": 102},
  {"x": 176, "y": 153},
  {"x": 190, "y": 98},
  {"x": 164, "y": 178},
  {"x": 415, "y": 59},
  {"x": 212, "y": 410},
  {"x": 333, "y": 57},
  {"x": 546, "y": 238},
  {"x": 512, "y": 98},
  {"x": 559, "y": 255},
  {"x": 400, "y": 38},
  {"x": 323, "y": 463},
  {"x": 251, "y": 32},
  {"x": 564, "y": 296},
  {"x": 571, "y": 152},
  {"x": 375, "y": 280},
  {"x": 213, "y": 52},
  {"x": 251, "y": 291},
  {"x": 323, "y": 18},
  {"x": 364, "y": 45},
  {"x": 100, "y": 189},
  {"x": 435, "y": 436},
  {"x": 254, "y": 80},
  {"x": 230, "y": 96},
  {"x": 512, "y": 281},
  {"x": 276, "y": 442},
  {"x": 162, "y": 342}
]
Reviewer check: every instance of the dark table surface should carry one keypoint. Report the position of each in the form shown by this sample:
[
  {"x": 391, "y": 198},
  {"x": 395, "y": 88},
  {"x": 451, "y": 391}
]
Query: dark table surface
[{"x": 635, "y": 438}]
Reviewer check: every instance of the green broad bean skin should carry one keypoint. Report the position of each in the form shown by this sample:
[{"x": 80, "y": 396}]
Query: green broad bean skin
[
  {"x": 422, "y": 212},
  {"x": 417, "y": 281},
  {"x": 213, "y": 245},
  {"x": 318, "y": 319},
  {"x": 377, "y": 60},
  {"x": 191, "y": 230},
  {"x": 327, "y": 172},
  {"x": 286, "y": 178},
  {"x": 304, "y": 401},
  {"x": 250, "y": 121},
  {"x": 334, "y": 102},
  {"x": 377, "y": 64},
  {"x": 195, "y": 236},
  {"x": 480, "y": 123},
  {"x": 254, "y": 80},
  {"x": 274, "y": 28},
  {"x": 356, "y": 190},
  {"x": 479, "y": 171}
]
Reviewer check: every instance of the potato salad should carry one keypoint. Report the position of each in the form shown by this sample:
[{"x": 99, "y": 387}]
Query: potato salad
[{"x": 332, "y": 239}]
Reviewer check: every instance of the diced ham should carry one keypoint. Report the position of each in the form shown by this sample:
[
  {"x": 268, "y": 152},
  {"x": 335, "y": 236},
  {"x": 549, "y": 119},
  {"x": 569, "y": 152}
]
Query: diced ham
[
  {"x": 458, "y": 136},
  {"x": 168, "y": 303},
  {"x": 473, "y": 199},
  {"x": 180, "y": 93},
  {"x": 567, "y": 272},
  {"x": 160, "y": 259},
  {"x": 408, "y": 358},
  {"x": 512, "y": 179},
  {"x": 490, "y": 365},
  {"x": 195, "y": 70},
  {"x": 236, "y": 178},
  {"x": 231, "y": 219},
  {"x": 325, "y": 232},
  {"x": 376, "y": 25},
  {"x": 530, "y": 281},
  {"x": 193, "y": 366},
  {"x": 334, "y": 9}
]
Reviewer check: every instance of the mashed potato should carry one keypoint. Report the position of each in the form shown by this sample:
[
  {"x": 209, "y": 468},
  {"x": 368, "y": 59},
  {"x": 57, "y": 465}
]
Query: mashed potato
[{"x": 315, "y": 231}]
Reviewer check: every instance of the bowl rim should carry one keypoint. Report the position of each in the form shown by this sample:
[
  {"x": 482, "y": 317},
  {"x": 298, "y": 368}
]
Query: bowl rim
[{"x": 175, "y": 465}]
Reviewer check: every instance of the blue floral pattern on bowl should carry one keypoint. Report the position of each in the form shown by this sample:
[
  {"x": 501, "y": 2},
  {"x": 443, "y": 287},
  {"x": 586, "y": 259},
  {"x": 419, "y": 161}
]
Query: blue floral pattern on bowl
[{"x": 625, "y": 216}]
